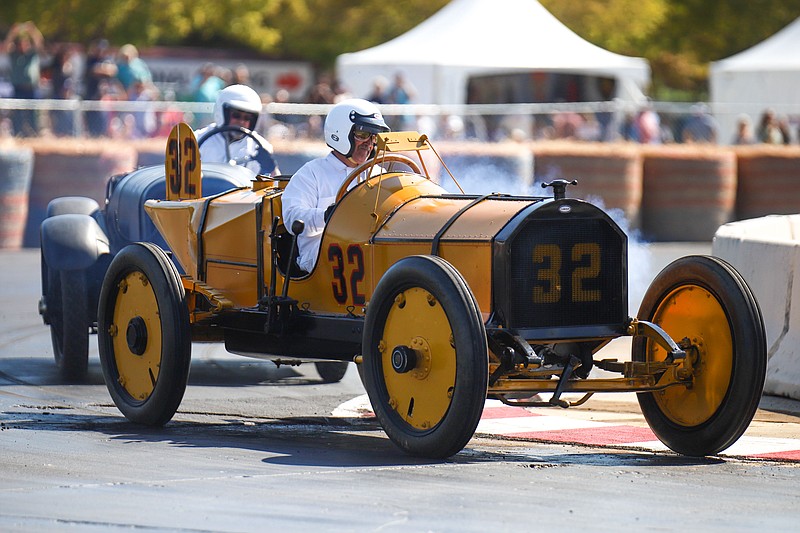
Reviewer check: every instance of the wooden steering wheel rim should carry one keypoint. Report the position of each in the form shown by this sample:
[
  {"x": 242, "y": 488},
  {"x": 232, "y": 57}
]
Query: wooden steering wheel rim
[{"x": 388, "y": 158}]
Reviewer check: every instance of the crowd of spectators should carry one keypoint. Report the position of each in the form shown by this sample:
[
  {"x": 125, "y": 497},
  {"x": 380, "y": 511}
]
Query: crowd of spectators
[{"x": 115, "y": 75}]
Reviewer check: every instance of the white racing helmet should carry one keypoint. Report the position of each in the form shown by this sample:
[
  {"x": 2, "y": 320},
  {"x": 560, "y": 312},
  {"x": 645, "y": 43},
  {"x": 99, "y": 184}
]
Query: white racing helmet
[
  {"x": 348, "y": 116},
  {"x": 239, "y": 97}
]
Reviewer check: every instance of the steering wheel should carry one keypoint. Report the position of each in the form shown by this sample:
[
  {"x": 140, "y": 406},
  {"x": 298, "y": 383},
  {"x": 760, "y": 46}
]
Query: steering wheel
[
  {"x": 239, "y": 129},
  {"x": 387, "y": 158}
]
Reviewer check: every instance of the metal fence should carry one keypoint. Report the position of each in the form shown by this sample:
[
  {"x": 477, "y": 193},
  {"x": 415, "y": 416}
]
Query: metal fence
[{"x": 653, "y": 122}]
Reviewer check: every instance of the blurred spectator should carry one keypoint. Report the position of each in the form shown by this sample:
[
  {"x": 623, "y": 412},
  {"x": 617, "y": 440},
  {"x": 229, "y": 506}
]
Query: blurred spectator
[
  {"x": 100, "y": 68},
  {"x": 206, "y": 84},
  {"x": 589, "y": 129},
  {"x": 769, "y": 130},
  {"x": 701, "y": 126},
  {"x": 131, "y": 68},
  {"x": 783, "y": 125},
  {"x": 567, "y": 124},
  {"x": 241, "y": 75},
  {"x": 647, "y": 126},
  {"x": 63, "y": 85},
  {"x": 169, "y": 117},
  {"x": 320, "y": 93},
  {"x": 144, "y": 121},
  {"x": 744, "y": 131},
  {"x": 401, "y": 92},
  {"x": 378, "y": 94},
  {"x": 24, "y": 44},
  {"x": 111, "y": 90},
  {"x": 340, "y": 92},
  {"x": 284, "y": 123}
]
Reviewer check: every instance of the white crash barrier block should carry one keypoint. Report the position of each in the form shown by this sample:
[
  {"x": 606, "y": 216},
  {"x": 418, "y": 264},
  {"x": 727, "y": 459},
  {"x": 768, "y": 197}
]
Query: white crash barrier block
[{"x": 767, "y": 253}]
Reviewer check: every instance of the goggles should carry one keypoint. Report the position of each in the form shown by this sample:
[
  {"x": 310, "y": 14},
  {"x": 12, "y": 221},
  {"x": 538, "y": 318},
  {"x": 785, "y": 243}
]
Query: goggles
[
  {"x": 240, "y": 115},
  {"x": 361, "y": 135}
]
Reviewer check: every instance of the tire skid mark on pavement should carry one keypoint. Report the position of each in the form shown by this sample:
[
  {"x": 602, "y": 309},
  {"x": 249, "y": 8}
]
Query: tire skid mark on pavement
[{"x": 501, "y": 420}]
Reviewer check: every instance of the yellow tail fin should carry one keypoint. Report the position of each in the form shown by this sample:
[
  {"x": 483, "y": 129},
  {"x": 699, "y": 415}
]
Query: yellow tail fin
[{"x": 183, "y": 164}]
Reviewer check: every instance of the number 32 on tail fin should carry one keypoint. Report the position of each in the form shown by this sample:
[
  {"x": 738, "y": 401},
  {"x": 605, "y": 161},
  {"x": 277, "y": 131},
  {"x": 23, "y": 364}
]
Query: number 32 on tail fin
[{"x": 183, "y": 164}]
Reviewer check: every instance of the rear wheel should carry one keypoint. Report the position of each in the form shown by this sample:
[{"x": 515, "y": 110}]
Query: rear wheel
[
  {"x": 708, "y": 302},
  {"x": 143, "y": 334},
  {"x": 68, "y": 314},
  {"x": 425, "y": 357},
  {"x": 332, "y": 372}
]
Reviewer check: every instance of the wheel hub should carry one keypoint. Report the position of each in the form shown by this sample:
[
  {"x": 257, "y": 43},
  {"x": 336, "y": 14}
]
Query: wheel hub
[
  {"x": 136, "y": 335},
  {"x": 404, "y": 359}
]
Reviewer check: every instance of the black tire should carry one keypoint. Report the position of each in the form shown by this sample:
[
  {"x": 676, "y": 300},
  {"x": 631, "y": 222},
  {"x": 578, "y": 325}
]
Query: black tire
[
  {"x": 332, "y": 372},
  {"x": 68, "y": 315},
  {"x": 143, "y": 334},
  {"x": 705, "y": 299},
  {"x": 425, "y": 357}
]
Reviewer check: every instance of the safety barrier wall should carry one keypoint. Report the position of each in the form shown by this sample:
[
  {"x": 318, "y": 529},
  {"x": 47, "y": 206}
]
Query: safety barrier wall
[
  {"x": 769, "y": 181},
  {"x": 670, "y": 193},
  {"x": 16, "y": 169},
  {"x": 612, "y": 173},
  {"x": 688, "y": 192},
  {"x": 72, "y": 168},
  {"x": 504, "y": 167},
  {"x": 767, "y": 253}
]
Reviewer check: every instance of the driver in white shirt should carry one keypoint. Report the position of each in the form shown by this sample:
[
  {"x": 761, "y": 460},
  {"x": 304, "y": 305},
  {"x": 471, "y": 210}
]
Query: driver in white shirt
[{"x": 350, "y": 130}]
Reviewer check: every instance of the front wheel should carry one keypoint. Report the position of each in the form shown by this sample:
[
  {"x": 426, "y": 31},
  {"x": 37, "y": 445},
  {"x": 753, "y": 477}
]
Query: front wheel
[
  {"x": 705, "y": 300},
  {"x": 425, "y": 357},
  {"x": 143, "y": 334}
]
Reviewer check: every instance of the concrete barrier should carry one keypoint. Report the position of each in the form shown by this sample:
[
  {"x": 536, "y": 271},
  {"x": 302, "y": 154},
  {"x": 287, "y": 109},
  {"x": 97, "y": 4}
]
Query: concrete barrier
[{"x": 767, "y": 253}]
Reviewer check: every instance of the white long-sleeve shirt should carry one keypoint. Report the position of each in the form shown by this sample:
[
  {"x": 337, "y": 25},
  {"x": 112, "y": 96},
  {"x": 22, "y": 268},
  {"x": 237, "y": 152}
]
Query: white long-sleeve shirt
[
  {"x": 244, "y": 152},
  {"x": 308, "y": 194}
]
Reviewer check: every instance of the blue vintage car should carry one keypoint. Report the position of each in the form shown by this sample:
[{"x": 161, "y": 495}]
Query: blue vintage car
[{"x": 79, "y": 239}]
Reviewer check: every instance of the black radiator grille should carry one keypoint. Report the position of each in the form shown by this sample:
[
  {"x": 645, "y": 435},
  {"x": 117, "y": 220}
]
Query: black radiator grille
[{"x": 565, "y": 273}]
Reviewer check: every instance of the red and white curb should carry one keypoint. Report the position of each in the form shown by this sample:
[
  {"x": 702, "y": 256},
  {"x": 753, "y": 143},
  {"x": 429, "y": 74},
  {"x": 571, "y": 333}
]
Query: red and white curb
[{"x": 519, "y": 423}]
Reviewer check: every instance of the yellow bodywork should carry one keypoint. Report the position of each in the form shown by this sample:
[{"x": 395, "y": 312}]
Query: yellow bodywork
[{"x": 378, "y": 222}]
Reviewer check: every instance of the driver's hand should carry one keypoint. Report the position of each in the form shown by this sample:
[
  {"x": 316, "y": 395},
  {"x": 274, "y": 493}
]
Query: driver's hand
[{"x": 328, "y": 213}]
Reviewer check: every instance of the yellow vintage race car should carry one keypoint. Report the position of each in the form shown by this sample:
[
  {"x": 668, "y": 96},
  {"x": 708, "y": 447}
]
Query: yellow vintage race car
[{"x": 441, "y": 299}]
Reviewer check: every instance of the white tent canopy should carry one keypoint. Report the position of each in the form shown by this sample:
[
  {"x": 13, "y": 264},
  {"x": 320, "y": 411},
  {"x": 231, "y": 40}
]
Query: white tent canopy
[
  {"x": 764, "y": 76},
  {"x": 479, "y": 37}
]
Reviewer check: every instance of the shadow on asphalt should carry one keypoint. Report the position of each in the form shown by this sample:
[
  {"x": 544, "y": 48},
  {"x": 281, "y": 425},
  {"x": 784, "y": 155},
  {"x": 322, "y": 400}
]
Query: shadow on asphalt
[
  {"x": 219, "y": 373},
  {"x": 325, "y": 442}
]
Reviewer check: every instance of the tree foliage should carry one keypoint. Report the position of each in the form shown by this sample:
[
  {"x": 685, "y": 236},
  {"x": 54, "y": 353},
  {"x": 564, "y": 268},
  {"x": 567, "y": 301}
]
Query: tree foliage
[
  {"x": 620, "y": 25},
  {"x": 678, "y": 37},
  {"x": 320, "y": 30},
  {"x": 149, "y": 22}
]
